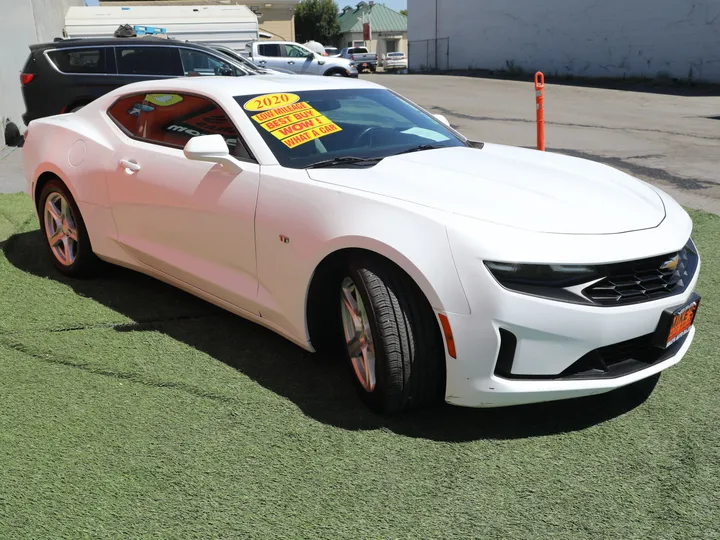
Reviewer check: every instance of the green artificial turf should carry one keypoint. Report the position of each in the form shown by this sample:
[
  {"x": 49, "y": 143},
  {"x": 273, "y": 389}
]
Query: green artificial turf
[{"x": 129, "y": 409}]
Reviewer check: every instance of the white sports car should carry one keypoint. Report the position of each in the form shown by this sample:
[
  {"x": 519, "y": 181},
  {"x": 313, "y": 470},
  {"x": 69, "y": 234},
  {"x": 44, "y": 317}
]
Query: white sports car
[{"x": 338, "y": 213}]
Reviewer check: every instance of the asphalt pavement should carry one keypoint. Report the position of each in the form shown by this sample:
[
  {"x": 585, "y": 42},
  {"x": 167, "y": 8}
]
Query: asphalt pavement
[
  {"x": 12, "y": 177},
  {"x": 670, "y": 140}
]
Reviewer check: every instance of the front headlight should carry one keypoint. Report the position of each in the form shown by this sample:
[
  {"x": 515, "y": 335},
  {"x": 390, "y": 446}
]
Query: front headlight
[
  {"x": 514, "y": 275},
  {"x": 610, "y": 284},
  {"x": 552, "y": 281}
]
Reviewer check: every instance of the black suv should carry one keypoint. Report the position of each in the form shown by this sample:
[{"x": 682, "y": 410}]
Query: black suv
[{"x": 65, "y": 75}]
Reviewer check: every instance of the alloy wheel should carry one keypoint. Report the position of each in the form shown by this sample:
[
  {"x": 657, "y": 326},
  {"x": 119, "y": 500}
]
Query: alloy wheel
[
  {"x": 358, "y": 334},
  {"x": 61, "y": 228}
]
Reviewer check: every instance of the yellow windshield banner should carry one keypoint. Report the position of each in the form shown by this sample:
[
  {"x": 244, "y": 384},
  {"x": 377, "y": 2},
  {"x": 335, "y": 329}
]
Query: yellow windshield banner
[
  {"x": 310, "y": 135},
  {"x": 270, "y": 101},
  {"x": 298, "y": 127},
  {"x": 291, "y": 118},
  {"x": 294, "y": 124},
  {"x": 281, "y": 111}
]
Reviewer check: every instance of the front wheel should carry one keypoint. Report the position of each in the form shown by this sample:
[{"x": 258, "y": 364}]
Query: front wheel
[{"x": 392, "y": 338}]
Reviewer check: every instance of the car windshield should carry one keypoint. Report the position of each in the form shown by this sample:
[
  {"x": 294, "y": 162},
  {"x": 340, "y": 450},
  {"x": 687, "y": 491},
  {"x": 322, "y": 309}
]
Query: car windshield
[{"x": 305, "y": 128}]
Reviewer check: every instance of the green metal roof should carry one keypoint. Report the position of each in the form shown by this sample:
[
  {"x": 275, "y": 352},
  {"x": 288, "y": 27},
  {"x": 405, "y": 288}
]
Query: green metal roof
[{"x": 382, "y": 19}]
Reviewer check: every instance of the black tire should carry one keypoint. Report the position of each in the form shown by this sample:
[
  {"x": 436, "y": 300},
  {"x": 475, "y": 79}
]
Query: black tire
[
  {"x": 409, "y": 350},
  {"x": 335, "y": 73},
  {"x": 86, "y": 262}
]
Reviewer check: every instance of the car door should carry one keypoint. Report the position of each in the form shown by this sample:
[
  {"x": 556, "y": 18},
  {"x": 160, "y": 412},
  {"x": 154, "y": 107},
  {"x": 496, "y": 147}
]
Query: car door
[
  {"x": 297, "y": 60},
  {"x": 191, "y": 220},
  {"x": 270, "y": 55}
]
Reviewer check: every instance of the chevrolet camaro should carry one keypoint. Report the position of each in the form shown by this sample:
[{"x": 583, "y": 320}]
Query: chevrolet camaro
[{"x": 350, "y": 220}]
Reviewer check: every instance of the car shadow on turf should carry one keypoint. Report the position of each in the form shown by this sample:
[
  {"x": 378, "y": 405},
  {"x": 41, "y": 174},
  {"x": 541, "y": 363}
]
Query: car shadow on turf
[{"x": 320, "y": 387}]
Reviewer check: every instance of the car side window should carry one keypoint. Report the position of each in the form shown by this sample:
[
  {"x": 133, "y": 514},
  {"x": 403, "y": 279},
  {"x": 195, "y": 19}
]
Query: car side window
[
  {"x": 84, "y": 60},
  {"x": 153, "y": 60},
  {"x": 126, "y": 111},
  {"x": 270, "y": 49},
  {"x": 294, "y": 51},
  {"x": 174, "y": 119},
  {"x": 199, "y": 63}
]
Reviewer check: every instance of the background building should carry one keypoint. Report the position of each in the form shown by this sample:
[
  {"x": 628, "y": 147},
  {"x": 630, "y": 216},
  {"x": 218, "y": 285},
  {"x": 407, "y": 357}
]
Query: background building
[
  {"x": 389, "y": 28},
  {"x": 24, "y": 22},
  {"x": 615, "y": 38}
]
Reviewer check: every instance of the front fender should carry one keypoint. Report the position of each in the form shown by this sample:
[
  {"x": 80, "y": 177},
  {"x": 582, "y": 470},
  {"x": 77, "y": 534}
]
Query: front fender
[{"x": 300, "y": 222}]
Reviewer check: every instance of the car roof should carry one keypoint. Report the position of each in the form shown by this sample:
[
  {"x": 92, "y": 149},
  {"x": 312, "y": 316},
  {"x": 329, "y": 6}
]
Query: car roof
[
  {"x": 112, "y": 41},
  {"x": 248, "y": 85}
]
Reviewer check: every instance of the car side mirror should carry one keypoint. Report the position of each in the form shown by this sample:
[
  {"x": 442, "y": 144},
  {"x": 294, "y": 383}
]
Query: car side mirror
[
  {"x": 442, "y": 119},
  {"x": 311, "y": 55},
  {"x": 211, "y": 148}
]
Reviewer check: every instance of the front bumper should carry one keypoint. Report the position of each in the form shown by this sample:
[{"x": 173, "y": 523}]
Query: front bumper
[{"x": 551, "y": 336}]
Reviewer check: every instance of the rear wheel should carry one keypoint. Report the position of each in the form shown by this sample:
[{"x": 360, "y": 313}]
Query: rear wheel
[
  {"x": 64, "y": 230},
  {"x": 392, "y": 338}
]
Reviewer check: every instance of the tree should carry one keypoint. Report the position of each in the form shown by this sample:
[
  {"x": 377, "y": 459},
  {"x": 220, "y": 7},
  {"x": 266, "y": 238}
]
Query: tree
[
  {"x": 403, "y": 12},
  {"x": 317, "y": 20}
]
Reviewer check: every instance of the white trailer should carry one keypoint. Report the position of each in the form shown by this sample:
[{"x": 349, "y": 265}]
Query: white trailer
[{"x": 229, "y": 25}]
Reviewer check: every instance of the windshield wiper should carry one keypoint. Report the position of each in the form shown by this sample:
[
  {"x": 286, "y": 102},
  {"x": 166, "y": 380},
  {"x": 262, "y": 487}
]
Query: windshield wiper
[
  {"x": 420, "y": 148},
  {"x": 347, "y": 160}
]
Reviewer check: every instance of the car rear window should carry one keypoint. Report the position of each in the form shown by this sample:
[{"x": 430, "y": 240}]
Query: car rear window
[
  {"x": 396, "y": 55},
  {"x": 83, "y": 60}
]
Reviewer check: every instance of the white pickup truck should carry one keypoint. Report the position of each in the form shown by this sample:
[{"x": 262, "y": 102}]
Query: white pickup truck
[{"x": 295, "y": 57}]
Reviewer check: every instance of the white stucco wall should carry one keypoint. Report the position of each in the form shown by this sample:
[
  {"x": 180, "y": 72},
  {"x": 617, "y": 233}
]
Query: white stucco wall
[
  {"x": 597, "y": 38},
  {"x": 23, "y": 22}
]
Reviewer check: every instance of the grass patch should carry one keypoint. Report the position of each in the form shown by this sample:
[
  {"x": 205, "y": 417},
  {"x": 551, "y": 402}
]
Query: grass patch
[{"x": 131, "y": 409}]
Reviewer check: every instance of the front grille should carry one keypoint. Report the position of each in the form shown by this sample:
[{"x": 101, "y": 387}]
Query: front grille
[{"x": 644, "y": 280}]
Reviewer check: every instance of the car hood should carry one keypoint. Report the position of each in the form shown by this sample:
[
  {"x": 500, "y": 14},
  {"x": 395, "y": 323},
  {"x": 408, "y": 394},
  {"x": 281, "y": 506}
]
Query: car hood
[{"x": 517, "y": 187}]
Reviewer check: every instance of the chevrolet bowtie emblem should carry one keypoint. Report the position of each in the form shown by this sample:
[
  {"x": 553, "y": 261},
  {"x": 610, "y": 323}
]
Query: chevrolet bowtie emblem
[{"x": 671, "y": 264}]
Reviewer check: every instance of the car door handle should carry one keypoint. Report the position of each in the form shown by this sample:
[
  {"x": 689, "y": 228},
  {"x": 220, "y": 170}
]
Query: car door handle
[
  {"x": 262, "y": 61},
  {"x": 130, "y": 165},
  {"x": 291, "y": 61}
]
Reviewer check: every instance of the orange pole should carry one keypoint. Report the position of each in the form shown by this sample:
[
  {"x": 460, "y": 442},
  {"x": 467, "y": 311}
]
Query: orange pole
[{"x": 540, "y": 109}]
